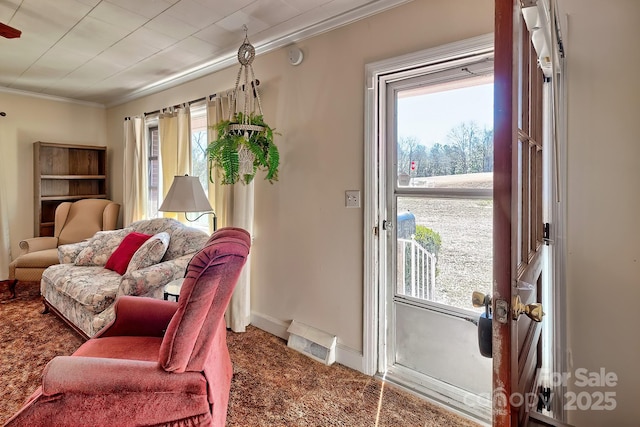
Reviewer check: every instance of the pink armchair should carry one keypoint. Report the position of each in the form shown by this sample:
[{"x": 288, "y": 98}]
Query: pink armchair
[{"x": 159, "y": 362}]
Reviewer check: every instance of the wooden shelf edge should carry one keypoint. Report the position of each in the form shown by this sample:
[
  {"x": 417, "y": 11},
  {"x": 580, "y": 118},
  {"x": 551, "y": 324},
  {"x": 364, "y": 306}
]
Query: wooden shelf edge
[
  {"x": 72, "y": 146},
  {"x": 78, "y": 197},
  {"x": 73, "y": 177}
]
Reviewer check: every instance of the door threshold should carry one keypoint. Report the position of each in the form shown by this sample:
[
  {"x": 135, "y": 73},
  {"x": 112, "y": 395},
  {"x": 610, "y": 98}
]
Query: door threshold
[
  {"x": 464, "y": 403},
  {"x": 537, "y": 419}
]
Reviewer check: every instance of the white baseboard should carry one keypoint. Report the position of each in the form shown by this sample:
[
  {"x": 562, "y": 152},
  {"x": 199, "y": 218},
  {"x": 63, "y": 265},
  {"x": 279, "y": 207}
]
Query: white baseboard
[
  {"x": 270, "y": 324},
  {"x": 346, "y": 356}
]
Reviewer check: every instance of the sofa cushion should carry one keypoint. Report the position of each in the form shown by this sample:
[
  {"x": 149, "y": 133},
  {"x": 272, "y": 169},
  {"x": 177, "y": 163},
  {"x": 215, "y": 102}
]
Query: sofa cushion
[
  {"x": 184, "y": 241},
  {"x": 94, "y": 288},
  {"x": 150, "y": 253},
  {"x": 68, "y": 253},
  {"x": 156, "y": 225},
  {"x": 100, "y": 247},
  {"x": 119, "y": 259}
]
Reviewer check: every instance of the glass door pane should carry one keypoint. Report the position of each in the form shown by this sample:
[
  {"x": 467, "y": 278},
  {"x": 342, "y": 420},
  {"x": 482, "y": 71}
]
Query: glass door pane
[
  {"x": 438, "y": 181},
  {"x": 445, "y": 135},
  {"x": 444, "y": 249}
]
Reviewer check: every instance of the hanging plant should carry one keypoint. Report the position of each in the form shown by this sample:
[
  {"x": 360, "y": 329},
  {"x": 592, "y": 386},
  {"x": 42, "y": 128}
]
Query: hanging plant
[
  {"x": 244, "y": 143},
  {"x": 242, "y": 148}
]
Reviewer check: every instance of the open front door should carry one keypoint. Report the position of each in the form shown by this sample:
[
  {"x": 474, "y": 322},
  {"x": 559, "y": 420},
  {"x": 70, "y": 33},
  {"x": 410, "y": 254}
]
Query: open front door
[{"x": 518, "y": 220}]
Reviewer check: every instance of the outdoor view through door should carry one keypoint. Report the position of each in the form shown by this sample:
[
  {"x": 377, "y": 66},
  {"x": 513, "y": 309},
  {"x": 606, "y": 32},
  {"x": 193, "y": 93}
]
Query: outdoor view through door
[
  {"x": 437, "y": 214},
  {"x": 445, "y": 142},
  {"x": 457, "y": 193}
]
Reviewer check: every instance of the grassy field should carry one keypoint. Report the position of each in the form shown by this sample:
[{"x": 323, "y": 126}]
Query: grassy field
[{"x": 465, "y": 226}]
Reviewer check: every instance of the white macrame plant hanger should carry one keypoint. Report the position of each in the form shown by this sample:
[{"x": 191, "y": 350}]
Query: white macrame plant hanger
[{"x": 246, "y": 54}]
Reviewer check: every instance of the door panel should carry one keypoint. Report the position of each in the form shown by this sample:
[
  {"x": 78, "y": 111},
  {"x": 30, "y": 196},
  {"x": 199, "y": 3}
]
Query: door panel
[
  {"x": 518, "y": 228},
  {"x": 438, "y": 181},
  {"x": 443, "y": 344}
]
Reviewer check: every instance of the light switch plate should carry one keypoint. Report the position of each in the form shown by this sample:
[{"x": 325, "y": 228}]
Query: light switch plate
[{"x": 352, "y": 198}]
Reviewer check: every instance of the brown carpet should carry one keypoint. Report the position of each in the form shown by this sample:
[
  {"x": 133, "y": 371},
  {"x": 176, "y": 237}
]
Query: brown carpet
[{"x": 272, "y": 384}]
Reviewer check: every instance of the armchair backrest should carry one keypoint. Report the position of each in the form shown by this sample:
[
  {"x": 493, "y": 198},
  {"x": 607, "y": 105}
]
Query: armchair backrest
[
  {"x": 209, "y": 282},
  {"x": 80, "y": 220}
]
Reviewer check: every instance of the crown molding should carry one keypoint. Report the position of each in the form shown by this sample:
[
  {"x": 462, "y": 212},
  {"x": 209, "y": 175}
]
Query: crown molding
[
  {"x": 268, "y": 43},
  {"x": 4, "y": 89}
]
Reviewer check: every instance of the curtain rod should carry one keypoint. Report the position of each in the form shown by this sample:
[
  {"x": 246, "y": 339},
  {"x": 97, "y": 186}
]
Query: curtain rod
[
  {"x": 253, "y": 85},
  {"x": 204, "y": 98}
]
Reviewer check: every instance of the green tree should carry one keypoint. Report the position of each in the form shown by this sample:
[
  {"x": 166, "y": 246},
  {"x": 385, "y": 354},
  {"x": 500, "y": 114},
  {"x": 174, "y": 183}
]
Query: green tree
[
  {"x": 464, "y": 139},
  {"x": 468, "y": 149},
  {"x": 485, "y": 150},
  {"x": 410, "y": 149}
]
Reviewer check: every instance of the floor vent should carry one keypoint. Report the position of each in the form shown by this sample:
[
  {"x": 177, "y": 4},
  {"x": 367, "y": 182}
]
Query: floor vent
[{"x": 312, "y": 342}]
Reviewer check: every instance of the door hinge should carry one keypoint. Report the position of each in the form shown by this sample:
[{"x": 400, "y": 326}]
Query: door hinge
[
  {"x": 544, "y": 398},
  {"x": 546, "y": 233},
  {"x": 375, "y": 230}
]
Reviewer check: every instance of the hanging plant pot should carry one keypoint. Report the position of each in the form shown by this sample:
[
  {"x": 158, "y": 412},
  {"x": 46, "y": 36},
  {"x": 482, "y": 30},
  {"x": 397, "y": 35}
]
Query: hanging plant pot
[
  {"x": 243, "y": 147},
  {"x": 244, "y": 143}
]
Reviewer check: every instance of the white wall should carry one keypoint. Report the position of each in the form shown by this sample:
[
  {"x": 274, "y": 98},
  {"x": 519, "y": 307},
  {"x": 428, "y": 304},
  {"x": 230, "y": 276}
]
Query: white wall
[
  {"x": 308, "y": 251},
  {"x": 603, "y": 265},
  {"x": 30, "y": 119}
]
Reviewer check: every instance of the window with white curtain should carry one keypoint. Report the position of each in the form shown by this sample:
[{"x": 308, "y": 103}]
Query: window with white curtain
[
  {"x": 153, "y": 139},
  {"x": 199, "y": 154},
  {"x": 199, "y": 144},
  {"x": 198, "y": 118}
]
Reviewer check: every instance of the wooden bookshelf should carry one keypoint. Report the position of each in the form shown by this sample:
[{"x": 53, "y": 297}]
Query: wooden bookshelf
[{"x": 65, "y": 173}]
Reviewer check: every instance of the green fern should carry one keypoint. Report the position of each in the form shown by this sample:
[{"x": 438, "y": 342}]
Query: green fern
[
  {"x": 274, "y": 162},
  {"x": 223, "y": 152},
  {"x": 230, "y": 162}
]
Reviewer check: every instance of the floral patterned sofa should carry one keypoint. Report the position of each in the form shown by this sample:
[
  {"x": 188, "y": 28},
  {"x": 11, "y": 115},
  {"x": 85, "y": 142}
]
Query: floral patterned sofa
[{"x": 82, "y": 291}]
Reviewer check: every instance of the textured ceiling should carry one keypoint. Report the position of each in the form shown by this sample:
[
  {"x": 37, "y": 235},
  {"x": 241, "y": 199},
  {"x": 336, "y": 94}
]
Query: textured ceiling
[{"x": 109, "y": 51}]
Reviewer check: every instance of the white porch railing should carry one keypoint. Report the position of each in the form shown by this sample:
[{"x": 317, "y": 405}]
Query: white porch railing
[{"x": 416, "y": 270}]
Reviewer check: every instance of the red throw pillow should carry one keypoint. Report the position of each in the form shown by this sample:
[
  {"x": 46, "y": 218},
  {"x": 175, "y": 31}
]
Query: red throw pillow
[{"x": 119, "y": 259}]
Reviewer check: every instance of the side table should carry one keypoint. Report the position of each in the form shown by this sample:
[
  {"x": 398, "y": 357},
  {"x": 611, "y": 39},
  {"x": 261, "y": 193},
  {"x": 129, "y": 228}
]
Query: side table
[{"x": 172, "y": 289}]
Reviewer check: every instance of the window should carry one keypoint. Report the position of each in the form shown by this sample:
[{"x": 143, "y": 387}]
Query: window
[
  {"x": 154, "y": 171},
  {"x": 199, "y": 162},
  {"x": 444, "y": 169},
  {"x": 199, "y": 142}
]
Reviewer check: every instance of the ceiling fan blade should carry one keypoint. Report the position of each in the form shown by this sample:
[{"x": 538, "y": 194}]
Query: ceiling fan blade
[{"x": 9, "y": 32}]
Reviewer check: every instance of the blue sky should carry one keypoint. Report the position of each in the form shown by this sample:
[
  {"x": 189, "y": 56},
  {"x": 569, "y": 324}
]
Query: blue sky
[{"x": 429, "y": 117}]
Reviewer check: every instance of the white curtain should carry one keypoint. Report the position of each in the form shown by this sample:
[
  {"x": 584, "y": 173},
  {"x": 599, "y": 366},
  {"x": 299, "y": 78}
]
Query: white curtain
[
  {"x": 5, "y": 241},
  {"x": 136, "y": 192},
  {"x": 175, "y": 149},
  {"x": 233, "y": 205}
]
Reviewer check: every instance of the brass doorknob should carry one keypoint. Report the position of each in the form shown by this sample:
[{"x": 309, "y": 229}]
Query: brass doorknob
[
  {"x": 478, "y": 299},
  {"x": 532, "y": 311}
]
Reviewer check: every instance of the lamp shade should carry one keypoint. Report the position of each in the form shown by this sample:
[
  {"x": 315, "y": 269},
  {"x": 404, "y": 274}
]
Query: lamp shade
[{"x": 185, "y": 195}]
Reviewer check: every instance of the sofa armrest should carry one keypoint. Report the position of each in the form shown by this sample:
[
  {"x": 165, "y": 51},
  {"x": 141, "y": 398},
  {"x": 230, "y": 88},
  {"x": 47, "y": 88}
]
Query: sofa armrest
[
  {"x": 139, "y": 316},
  {"x": 150, "y": 281},
  {"x": 68, "y": 253},
  {"x": 100, "y": 376},
  {"x": 35, "y": 244}
]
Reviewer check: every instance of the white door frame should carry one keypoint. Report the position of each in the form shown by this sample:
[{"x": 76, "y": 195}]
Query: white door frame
[
  {"x": 374, "y": 189},
  {"x": 375, "y": 192}
]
